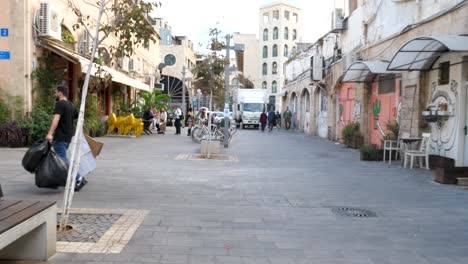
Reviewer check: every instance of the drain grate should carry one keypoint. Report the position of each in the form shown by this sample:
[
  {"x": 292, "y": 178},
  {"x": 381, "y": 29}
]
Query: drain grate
[
  {"x": 353, "y": 212},
  {"x": 86, "y": 227}
]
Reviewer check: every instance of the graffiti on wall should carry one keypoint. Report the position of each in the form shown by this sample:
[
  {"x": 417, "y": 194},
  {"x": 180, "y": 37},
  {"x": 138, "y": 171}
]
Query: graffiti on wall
[
  {"x": 376, "y": 111},
  {"x": 443, "y": 132},
  {"x": 357, "y": 111}
]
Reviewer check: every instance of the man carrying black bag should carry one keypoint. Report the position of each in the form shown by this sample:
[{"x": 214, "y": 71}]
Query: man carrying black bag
[{"x": 61, "y": 129}]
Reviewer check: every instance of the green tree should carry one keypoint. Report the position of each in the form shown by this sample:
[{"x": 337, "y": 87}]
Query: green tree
[{"x": 210, "y": 71}]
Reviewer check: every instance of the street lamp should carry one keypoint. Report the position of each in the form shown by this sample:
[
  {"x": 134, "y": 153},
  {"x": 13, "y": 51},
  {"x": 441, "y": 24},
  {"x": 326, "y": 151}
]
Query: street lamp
[
  {"x": 199, "y": 93},
  {"x": 184, "y": 70},
  {"x": 237, "y": 47}
]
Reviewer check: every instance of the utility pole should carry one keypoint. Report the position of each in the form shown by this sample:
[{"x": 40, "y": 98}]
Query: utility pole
[{"x": 226, "y": 95}]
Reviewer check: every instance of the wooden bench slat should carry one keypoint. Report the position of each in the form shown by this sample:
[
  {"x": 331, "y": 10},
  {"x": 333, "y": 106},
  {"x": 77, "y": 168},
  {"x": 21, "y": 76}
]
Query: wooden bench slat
[
  {"x": 5, "y": 204},
  {"x": 11, "y": 210},
  {"x": 23, "y": 215}
]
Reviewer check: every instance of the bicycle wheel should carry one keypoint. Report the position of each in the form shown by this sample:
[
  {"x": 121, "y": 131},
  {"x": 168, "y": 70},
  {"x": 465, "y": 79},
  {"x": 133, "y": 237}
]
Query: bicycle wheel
[{"x": 196, "y": 134}]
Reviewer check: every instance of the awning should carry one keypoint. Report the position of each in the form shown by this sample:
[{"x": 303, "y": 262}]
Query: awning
[
  {"x": 421, "y": 53},
  {"x": 365, "y": 71},
  {"x": 116, "y": 76}
]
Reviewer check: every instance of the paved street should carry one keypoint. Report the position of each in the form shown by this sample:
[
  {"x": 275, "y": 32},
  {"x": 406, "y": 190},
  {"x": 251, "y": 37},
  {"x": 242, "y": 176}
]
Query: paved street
[{"x": 274, "y": 206}]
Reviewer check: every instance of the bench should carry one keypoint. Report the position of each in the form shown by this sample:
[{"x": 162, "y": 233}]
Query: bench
[{"x": 28, "y": 229}]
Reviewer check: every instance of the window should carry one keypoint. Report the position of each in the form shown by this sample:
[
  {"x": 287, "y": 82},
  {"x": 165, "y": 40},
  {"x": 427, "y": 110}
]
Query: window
[
  {"x": 286, "y": 51},
  {"x": 265, "y": 69},
  {"x": 266, "y": 18},
  {"x": 294, "y": 50},
  {"x": 274, "y": 68},
  {"x": 169, "y": 59},
  {"x": 265, "y": 52},
  {"x": 286, "y": 15},
  {"x": 168, "y": 39},
  {"x": 294, "y": 36},
  {"x": 276, "y": 15},
  {"x": 274, "y": 87},
  {"x": 264, "y": 85},
  {"x": 146, "y": 44},
  {"x": 275, "y": 51},
  {"x": 386, "y": 83},
  {"x": 275, "y": 33},
  {"x": 286, "y": 33},
  {"x": 444, "y": 73},
  {"x": 295, "y": 17},
  {"x": 265, "y": 34}
]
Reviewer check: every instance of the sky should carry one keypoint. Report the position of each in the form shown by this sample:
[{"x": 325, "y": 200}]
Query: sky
[{"x": 194, "y": 18}]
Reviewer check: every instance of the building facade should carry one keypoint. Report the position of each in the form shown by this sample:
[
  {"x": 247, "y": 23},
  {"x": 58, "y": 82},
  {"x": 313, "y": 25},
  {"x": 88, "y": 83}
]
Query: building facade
[
  {"x": 248, "y": 62},
  {"x": 69, "y": 50},
  {"x": 402, "y": 62},
  {"x": 279, "y": 27},
  {"x": 177, "y": 54}
]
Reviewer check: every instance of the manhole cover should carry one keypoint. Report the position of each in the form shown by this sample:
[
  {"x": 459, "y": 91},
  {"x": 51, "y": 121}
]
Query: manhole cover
[
  {"x": 353, "y": 212},
  {"x": 86, "y": 227}
]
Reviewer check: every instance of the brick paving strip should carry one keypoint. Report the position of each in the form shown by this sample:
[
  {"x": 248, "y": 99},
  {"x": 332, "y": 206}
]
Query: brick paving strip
[{"x": 114, "y": 239}]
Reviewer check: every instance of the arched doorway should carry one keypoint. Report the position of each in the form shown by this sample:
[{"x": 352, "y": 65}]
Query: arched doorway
[
  {"x": 321, "y": 110},
  {"x": 293, "y": 107},
  {"x": 173, "y": 88},
  {"x": 305, "y": 111}
]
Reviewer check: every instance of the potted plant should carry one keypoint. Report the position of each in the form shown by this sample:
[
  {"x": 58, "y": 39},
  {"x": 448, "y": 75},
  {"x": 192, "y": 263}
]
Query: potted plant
[
  {"x": 352, "y": 137},
  {"x": 370, "y": 153}
]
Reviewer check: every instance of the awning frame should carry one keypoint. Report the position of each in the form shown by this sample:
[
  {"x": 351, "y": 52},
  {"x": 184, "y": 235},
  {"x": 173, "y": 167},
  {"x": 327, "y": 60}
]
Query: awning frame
[
  {"x": 116, "y": 75},
  {"x": 371, "y": 69},
  {"x": 437, "y": 45}
]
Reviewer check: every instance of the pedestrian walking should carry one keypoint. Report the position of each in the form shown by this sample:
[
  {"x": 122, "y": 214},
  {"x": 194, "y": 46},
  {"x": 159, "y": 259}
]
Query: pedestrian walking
[
  {"x": 287, "y": 118},
  {"x": 61, "y": 129},
  {"x": 263, "y": 120},
  {"x": 178, "y": 119},
  {"x": 189, "y": 122},
  {"x": 278, "y": 119},
  {"x": 271, "y": 120},
  {"x": 162, "y": 120}
]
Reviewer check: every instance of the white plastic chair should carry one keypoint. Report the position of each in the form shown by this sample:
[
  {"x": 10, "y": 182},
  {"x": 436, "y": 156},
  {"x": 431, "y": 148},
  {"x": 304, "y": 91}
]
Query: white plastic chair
[
  {"x": 391, "y": 145},
  {"x": 423, "y": 152}
]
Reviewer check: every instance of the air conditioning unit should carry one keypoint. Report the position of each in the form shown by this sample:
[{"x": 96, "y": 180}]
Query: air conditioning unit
[
  {"x": 48, "y": 21},
  {"x": 316, "y": 70},
  {"x": 337, "y": 20},
  {"x": 131, "y": 65},
  {"x": 85, "y": 45},
  {"x": 123, "y": 63}
]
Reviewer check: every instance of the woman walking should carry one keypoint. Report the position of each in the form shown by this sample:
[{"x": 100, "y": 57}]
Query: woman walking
[
  {"x": 189, "y": 121},
  {"x": 162, "y": 120}
]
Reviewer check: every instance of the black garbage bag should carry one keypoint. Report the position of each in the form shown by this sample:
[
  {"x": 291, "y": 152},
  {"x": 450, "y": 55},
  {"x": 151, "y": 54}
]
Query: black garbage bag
[
  {"x": 34, "y": 156},
  {"x": 52, "y": 172}
]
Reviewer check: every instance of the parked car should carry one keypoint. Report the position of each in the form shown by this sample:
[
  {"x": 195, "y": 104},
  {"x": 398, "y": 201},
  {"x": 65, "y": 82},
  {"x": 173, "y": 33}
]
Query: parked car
[{"x": 219, "y": 117}]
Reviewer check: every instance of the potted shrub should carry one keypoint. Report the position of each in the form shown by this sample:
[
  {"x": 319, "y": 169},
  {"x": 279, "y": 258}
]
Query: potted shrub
[
  {"x": 351, "y": 135},
  {"x": 370, "y": 153}
]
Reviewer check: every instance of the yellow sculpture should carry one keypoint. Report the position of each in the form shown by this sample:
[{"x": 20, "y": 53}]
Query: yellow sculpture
[{"x": 125, "y": 125}]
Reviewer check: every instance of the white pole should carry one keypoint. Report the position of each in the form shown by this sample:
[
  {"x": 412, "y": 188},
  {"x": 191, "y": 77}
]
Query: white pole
[
  {"x": 76, "y": 150},
  {"x": 209, "y": 128}
]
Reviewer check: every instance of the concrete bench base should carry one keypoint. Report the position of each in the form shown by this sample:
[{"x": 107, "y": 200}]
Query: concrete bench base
[{"x": 33, "y": 239}]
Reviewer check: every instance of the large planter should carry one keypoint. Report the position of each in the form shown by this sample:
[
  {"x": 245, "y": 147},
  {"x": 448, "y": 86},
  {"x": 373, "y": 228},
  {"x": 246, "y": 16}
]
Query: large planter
[{"x": 354, "y": 142}]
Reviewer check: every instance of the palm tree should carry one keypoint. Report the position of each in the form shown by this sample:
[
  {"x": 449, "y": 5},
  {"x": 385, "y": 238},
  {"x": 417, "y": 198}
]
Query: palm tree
[{"x": 155, "y": 98}]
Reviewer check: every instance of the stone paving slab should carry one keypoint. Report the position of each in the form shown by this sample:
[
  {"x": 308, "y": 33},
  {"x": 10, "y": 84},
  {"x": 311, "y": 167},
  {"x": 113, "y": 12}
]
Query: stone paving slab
[{"x": 272, "y": 206}]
